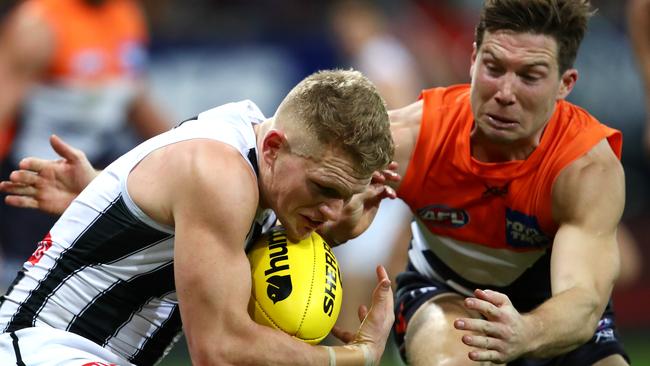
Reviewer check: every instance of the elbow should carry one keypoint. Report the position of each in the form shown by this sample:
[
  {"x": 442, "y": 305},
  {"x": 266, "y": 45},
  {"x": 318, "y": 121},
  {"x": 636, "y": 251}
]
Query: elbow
[
  {"x": 204, "y": 354},
  {"x": 594, "y": 314},
  {"x": 211, "y": 355},
  {"x": 224, "y": 349}
]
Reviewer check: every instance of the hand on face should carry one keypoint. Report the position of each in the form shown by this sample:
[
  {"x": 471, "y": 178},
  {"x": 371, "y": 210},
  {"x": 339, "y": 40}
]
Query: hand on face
[
  {"x": 359, "y": 212},
  {"x": 501, "y": 336},
  {"x": 385, "y": 177}
]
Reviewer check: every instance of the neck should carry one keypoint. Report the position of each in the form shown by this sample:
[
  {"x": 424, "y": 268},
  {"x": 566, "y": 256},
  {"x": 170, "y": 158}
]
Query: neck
[{"x": 487, "y": 150}]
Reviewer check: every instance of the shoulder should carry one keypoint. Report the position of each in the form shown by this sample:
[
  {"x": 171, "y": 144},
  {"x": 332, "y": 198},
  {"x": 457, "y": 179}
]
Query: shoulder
[
  {"x": 595, "y": 182},
  {"x": 209, "y": 162},
  {"x": 405, "y": 127},
  {"x": 197, "y": 180}
]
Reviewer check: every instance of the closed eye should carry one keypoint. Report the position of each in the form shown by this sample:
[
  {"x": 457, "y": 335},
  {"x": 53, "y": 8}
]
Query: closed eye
[{"x": 328, "y": 191}]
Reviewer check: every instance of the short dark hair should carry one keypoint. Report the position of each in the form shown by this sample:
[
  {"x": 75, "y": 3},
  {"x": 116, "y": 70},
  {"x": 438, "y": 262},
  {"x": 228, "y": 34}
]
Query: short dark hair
[{"x": 564, "y": 20}]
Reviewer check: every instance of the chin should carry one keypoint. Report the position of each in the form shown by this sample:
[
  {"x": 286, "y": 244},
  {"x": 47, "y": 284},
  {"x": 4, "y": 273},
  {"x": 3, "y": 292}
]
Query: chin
[{"x": 295, "y": 235}]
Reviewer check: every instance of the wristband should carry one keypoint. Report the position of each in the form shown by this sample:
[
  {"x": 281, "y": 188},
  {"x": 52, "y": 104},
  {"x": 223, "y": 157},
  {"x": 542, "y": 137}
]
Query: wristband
[
  {"x": 367, "y": 356},
  {"x": 354, "y": 355},
  {"x": 332, "y": 356}
]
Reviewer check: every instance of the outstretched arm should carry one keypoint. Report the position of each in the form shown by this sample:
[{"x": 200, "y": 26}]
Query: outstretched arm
[
  {"x": 359, "y": 212},
  {"x": 588, "y": 199},
  {"x": 49, "y": 185}
]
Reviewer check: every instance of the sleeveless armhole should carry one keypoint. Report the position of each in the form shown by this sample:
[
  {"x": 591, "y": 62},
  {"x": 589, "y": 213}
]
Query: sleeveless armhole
[
  {"x": 135, "y": 209},
  {"x": 585, "y": 136},
  {"x": 420, "y": 157}
]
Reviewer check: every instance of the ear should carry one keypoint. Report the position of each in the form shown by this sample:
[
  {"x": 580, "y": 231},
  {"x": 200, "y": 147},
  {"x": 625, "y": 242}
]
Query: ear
[
  {"x": 567, "y": 82},
  {"x": 473, "y": 59},
  {"x": 273, "y": 142}
]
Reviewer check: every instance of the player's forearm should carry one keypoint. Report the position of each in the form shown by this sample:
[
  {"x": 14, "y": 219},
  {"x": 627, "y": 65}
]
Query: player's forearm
[
  {"x": 266, "y": 346},
  {"x": 562, "y": 323}
]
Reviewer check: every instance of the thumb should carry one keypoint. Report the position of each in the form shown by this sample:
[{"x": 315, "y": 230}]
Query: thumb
[
  {"x": 383, "y": 294},
  {"x": 63, "y": 149}
]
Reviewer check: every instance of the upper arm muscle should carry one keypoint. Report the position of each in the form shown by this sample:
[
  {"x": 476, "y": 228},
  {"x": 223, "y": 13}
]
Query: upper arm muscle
[
  {"x": 211, "y": 194},
  {"x": 588, "y": 199},
  {"x": 405, "y": 127}
]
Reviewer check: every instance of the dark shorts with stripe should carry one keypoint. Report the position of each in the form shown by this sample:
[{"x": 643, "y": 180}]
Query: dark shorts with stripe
[{"x": 414, "y": 289}]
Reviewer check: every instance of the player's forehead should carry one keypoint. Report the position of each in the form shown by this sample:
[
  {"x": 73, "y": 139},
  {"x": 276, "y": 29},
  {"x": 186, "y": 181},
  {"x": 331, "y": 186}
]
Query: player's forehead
[
  {"x": 336, "y": 170},
  {"x": 530, "y": 49}
]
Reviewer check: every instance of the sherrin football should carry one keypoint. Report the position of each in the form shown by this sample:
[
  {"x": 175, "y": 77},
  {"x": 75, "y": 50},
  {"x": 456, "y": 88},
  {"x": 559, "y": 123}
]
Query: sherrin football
[{"x": 296, "y": 286}]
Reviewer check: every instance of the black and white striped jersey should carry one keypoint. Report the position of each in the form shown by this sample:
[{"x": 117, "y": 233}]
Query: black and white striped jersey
[{"x": 105, "y": 270}]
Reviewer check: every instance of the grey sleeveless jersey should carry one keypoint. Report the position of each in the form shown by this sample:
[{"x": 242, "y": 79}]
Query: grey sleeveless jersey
[{"x": 105, "y": 270}]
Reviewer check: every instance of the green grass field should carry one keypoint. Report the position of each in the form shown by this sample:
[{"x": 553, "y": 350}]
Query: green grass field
[{"x": 637, "y": 343}]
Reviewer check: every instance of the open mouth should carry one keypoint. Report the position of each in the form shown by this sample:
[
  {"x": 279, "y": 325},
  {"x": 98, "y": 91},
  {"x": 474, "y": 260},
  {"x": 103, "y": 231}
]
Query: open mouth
[{"x": 312, "y": 224}]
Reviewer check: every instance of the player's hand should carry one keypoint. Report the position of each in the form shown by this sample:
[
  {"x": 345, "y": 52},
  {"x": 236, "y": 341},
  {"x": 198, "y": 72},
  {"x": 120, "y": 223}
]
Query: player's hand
[
  {"x": 49, "y": 185},
  {"x": 502, "y": 336},
  {"x": 359, "y": 212},
  {"x": 376, "y": 322}
]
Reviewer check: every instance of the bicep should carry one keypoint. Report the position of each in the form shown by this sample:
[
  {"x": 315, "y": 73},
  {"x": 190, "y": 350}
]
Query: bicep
[
  {"x": 212, "y": 273},
  {"x": 588, "y": 200},
  {"x": 405, "y": 127},
  {"x": 213, "y": 286}
]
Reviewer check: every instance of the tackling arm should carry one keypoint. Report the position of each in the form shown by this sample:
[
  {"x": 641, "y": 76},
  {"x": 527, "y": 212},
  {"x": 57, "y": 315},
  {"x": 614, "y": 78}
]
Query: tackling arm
[
  {"x": 362, "y": 208},
  {"x": 588, "y": 200},
  {"x": 49, "y": 185}
]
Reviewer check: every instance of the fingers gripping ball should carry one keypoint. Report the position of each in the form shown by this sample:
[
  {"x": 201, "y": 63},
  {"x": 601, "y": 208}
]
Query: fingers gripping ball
[{"x": 296, "y": 286}]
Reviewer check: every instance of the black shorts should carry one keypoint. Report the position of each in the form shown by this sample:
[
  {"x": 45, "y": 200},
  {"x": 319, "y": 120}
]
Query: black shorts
[{"x": 414, "y": 289}]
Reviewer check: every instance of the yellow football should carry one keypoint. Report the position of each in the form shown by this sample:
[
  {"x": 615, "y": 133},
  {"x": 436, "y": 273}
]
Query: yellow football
[{"x": 296, "y": 286}]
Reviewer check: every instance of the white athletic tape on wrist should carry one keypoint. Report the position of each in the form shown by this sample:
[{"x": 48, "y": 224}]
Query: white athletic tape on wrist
[
  {"x": 332, "y": 356},
  {"x": 367, "y": 355}
]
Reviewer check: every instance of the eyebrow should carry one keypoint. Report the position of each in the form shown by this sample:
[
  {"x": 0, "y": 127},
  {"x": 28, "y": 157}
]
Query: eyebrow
[
  {"x": 527, "y": 65},
  {"x": 329, "y": 186}
]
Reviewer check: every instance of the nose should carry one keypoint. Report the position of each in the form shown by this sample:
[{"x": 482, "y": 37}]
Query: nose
[
  {"x": 331, "y": 209},
  {"x": 505, "y": 94}
]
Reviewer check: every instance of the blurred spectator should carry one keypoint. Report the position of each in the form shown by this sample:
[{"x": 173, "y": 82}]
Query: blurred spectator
[
  {"x": 71, "y": 68},
  {"x": 639, "y": 31}
]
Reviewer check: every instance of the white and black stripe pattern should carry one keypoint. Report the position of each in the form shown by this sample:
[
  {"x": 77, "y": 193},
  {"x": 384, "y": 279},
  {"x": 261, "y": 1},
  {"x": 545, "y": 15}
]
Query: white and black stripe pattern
[
  {"x": 108, "y": 275},
  {"x": 100, "y": 284}
]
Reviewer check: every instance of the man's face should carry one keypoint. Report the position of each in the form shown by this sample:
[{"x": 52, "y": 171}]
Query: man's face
[
  {"x": 515, "y": 85},
  {"x": 307, "y": 191}
]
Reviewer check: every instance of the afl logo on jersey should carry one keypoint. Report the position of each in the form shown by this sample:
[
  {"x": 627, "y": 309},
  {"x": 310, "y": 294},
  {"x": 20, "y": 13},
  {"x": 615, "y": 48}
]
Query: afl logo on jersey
[{"x": 441, "y": 215}]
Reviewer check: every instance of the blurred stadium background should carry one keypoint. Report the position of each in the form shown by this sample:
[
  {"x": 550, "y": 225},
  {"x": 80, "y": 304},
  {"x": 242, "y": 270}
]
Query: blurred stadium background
[{"x": 208, "y": 52}]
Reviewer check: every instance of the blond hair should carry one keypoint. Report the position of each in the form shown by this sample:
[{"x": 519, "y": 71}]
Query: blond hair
[{"x": 340, "y": 109}]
